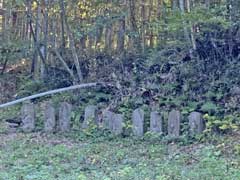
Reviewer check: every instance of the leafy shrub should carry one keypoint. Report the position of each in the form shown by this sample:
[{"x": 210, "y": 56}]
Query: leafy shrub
[
  {"x": 209, "y": 107},
  {"x": 226, "y": 124}
]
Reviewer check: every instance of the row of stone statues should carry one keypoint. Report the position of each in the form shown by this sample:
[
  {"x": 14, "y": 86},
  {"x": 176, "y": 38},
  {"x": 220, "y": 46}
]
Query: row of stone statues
[{"x": 109, "y": 120}]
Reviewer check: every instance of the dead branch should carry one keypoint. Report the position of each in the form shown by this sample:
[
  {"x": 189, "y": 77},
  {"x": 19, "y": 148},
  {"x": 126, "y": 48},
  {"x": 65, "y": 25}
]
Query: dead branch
[{"x": 80, "y": 86}]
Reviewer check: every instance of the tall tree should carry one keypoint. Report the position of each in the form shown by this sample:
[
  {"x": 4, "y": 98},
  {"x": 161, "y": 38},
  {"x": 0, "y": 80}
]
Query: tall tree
[
  {"x": 185, "y": 29},
  {"x": 71, "y": 43}
]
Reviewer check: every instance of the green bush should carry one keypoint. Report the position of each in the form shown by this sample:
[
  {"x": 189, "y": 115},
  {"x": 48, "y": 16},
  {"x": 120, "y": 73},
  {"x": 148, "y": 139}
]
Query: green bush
[{"x": 221, "y": 125}]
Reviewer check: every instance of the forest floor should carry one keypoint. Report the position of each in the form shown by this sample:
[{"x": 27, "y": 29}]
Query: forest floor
[{"x": 75, "y": 156}]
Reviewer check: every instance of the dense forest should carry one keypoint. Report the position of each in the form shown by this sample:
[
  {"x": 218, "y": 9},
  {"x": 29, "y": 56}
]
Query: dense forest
[
  {"x": 182, "y": 54},
  {"x": 157, "y": 55}
]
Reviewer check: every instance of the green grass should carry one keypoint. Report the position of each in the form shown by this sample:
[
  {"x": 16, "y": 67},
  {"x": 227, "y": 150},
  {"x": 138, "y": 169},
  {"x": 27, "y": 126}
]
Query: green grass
[{"x": 57, "y": 157}]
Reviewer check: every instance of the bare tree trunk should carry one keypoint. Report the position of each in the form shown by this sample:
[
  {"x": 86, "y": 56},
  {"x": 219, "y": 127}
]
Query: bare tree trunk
[
  {"x": 134, "y": 37},
  {"x": 4, "y": 65},
  {"x": 161, "y": 14},
  {"x": 99, "y": 37},
  {"x": 191, "y": 26},
  {"x": 151, "y": 44},
  {"x": 28, "y": 24},
  {"x": 121, "y": 35},
  {"x": 3, "y": 13},
  {"x": 108, "y": 31},
  {"x": 38, "y": 47},
  {"x": 83, "y": 42},
  {"x": 72, "y": 44},
  {"x": 108, "y": 38},
  {"x": 186, "y": 34},
  {"x": 91, "y": 42},
  {"x": 35, "y": 54},
  {"x": 65, "y": 65},
  {"x": 45, "y": 37},
  {"x": 7, "y": 25},
  {"x": 143, "y": 29},
  {"x": 62, "y": 14},
  {"x": 34, "y": 68}
]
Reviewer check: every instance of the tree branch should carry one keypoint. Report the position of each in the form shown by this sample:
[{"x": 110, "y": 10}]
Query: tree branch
[
  {"x": 80, "y": 86},
  {"x": 64, "y": 64}
]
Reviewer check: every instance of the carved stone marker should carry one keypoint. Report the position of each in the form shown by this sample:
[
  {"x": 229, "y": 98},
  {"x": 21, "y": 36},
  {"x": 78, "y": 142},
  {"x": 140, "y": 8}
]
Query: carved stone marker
[
  {"x": 28, "y": 117},
  {"x": 65, "y": 116},
  {"x": 196, "y": 123},
  {"x": 49, "y": 117},
  {"x": 138, "y": 122},
  {"x": 113, "y": 122},
  {"x": 90, "y": 116},
  {"x": 107, "y": 119},
  {"x": 155, "y": 122},
  {"x": 117, "y": 124},
  {"x": 174, "y": 120}
]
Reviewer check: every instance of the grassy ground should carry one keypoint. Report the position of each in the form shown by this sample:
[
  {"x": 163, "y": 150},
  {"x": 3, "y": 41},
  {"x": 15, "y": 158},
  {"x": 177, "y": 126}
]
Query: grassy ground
[{"x": 39, "y": 156}]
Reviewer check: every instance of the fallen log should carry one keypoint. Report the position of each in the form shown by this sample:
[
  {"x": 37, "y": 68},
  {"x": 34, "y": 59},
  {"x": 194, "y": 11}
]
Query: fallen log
[{"x": 80, "y": 86}]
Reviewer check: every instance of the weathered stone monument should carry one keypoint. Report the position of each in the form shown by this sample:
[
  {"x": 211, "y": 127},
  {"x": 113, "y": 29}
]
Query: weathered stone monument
[
  {"x": 28, "y": 117},
  {"x": 174, "y": 120},
  {"x": 49, "y": 117},
  {"x": 138, "y": 122},
  {"x": 117, "y": 124},
  {"x": 155, "y": 122},
  {"x": 90, "y": 116},
  {"x": 107, "y": 119},
  {"x": 65, "y": 116},
  {"x": 113, "y": 122},
  {"x": 196, "y": 123}
]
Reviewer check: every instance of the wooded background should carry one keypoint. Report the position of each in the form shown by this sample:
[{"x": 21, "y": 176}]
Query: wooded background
[
  {"x": 146, "y": 48},
  {"x": 85, "y": 28}
]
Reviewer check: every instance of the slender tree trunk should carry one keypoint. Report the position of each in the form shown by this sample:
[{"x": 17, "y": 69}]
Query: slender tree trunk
[
  {"x": 182, "y": 9},
  {"x": 45, "y": 37},
  {"x": 143, "y": 28},
  {"x": 72, "y": 44},
  {"x": 191, "y": 26},
  {"x": 62, "y": 24},
  {"x": 108, "y": 31},
  {"x": 7, "y": 24},
  {"x": 91, "y": 42},
  {"x": 34, "y": 68},
  {"x": 99, "y": 35},
  {"x": 28, "y": 24},
  {"x": 162, "y": 33},
  {"x": 83, "y": 42},
  {"x": 108, "y": 38},
  {"x": 134, "y": 37},
  {"x": 121, "y": 35},
  {"x": 65, "y": 65},
  {"x": 151, "y": 36},
  {"x": 4, "y": 65},
  {"x": 3, "y": 21}
]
